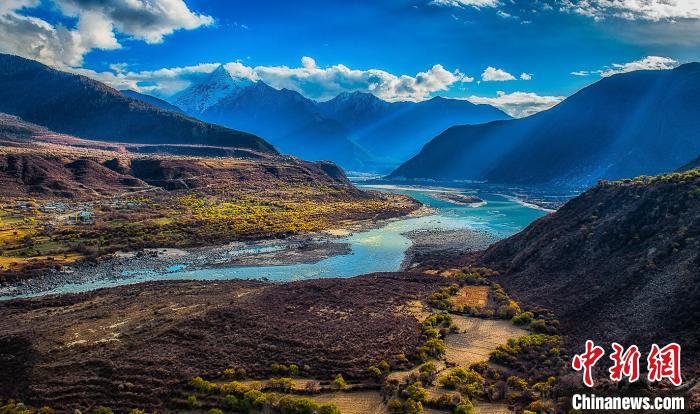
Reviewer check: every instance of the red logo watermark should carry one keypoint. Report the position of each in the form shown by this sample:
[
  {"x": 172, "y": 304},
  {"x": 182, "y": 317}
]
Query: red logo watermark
[{"x": 662, "y": 363}]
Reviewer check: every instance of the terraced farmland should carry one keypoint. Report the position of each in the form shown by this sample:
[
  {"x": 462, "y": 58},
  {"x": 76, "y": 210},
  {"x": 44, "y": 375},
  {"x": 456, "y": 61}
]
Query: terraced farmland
[{"x": 477, "y": 338}]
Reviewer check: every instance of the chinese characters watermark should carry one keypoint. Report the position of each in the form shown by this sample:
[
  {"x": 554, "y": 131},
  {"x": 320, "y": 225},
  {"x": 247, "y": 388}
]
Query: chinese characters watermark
[{"x": 662, "y": 363}]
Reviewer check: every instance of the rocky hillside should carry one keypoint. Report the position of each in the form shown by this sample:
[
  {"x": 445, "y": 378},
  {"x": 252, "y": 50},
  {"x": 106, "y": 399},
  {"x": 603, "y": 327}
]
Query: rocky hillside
[
  {"x": 617, "y": 263},
  {"x": 83, "y": 107},
  {"x": 169, "y": 332},
  {"x": 637, "y": 123}
]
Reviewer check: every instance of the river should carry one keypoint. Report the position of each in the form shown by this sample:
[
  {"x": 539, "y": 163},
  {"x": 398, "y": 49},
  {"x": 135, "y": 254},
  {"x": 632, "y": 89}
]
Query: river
[{"x": 380, "y": 249}]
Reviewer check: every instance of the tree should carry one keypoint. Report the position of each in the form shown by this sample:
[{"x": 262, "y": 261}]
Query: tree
[
  {"x": 464, "y": 407},
  {"x": 413, "y": 407},
  {"x": 339, "y": 383},
  {"x": 374, "y": 372}
]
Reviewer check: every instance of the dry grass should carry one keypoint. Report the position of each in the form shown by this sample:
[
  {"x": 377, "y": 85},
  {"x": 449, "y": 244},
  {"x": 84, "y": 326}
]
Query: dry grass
[
  {"x": 473, "y": 296},
  {"x": 361, "y": 402},
  {"x": 481, "y": 407},
  {"x": 477, "y": 338}
]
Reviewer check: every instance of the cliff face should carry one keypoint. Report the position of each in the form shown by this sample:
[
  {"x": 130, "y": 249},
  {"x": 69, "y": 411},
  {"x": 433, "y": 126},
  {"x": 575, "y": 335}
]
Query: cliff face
[{"x": 620, "y": 262}]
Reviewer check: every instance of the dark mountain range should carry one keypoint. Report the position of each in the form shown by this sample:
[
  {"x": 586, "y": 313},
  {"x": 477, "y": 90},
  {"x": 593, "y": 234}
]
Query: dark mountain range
[
  {"x": 151, "y": 100},
  {"x": 290, "y": 121},
  {"x": 638, "y": 123},
  {"x": 357, "y": 130},
  {"x": 396, "y": 131},
  {"x": 617, "y": 263},
  {"x": 80, "y": 106}
]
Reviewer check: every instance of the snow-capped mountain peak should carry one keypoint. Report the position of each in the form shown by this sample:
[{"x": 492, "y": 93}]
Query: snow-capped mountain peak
[{"x": 206, "y": 93}]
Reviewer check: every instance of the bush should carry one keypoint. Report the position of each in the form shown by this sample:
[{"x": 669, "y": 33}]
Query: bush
[
  {"x": 103, "y": 410},
  {"x": 469, "y": 383},
  {"x": 215, "y": 411},
  {"x": 231, "y": 402},
  {"x": 428, "y": 372},
  {"x": 374, "y": 372},
  {"x": 523, "y": 319},
  {"x": 289, "y": 405},
  {"x": 281, "y": 384},
  {"x": 415, "y": 392},
  {"x": 202, "y": 385},
  {"x": 339, "y": 383},
  {"x": 413, "y": 407},
  {"x": 395, "y": 405},
  {"x": 464, "y": 407},
  {"x": 192, "y": 401},
  {"x": 328, "y": 408}
]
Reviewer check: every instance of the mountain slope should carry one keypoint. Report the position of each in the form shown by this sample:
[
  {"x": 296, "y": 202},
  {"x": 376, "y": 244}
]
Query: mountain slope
[
  {"x": 397, "y": 131},
  {"x": 357, "y": 130},
  {"x": 626, "y": 125},
  {"x": 202, "y": 95},
  {"x": 151, "y": 100},
  {"x": 80, "y": 106},
  {"x": 290, "y": 121},
  {"x": 617, "y": 263}
]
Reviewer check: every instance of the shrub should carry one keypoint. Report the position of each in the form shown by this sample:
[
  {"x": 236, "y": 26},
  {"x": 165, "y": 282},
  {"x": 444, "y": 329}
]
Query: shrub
[
  {"x": 413, "y": 407},
  {"x": 202, "y": 385},
  {"x": 395, "y": 405},
  {"x": 281, "y": 384},
  {"x": 339, "y": 383},
  {"x": 384, "y": 367},
  {"x": 523, "y": 319},
  {"x": 103, "y": 410},
  {"x": 428, "y": 372},
  {"x": 469, "y": 383},
  {"x": 464, "y": 407},
  {"x": 289, "y": 405},
  {"x": 415, "y": 392},
  {"x": 328, "y": 408},
  {"x": 434, "y": 347},
  {"x": 137, "y": 411},
  {"x": 192, "y": 401},
  {"x": 216, "y": 411},
  {"x": 231, "y": 402},
  {"x": 374, "y": 372}
]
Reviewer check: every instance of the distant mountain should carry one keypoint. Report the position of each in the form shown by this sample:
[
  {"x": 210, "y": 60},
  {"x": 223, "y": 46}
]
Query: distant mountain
[
  {"x": 80, "y": 106},
  {"x": 691, "y": 165},
  {"x": 617, "y": 263},
  {"x": 630, "y": 124},
  {"x": 202, "y": 95},
  {"x": 151, "y": 100},
  {"x": 290, "y": 121},
  {"x": 396, "y": 131},
  {"x": 357, "y": 130}
]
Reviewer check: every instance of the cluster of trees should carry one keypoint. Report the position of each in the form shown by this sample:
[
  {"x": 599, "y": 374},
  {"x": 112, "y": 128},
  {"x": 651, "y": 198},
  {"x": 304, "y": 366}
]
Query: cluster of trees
[
  {"x": 14, "y": 407},
  {"x": 241, "y": 398}
]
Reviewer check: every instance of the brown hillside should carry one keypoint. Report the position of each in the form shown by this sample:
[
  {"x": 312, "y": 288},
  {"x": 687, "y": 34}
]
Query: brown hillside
[{"x": 621, "y": 262}]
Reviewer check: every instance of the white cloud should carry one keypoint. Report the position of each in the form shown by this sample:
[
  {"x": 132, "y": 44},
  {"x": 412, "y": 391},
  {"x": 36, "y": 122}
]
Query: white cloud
[
  {"x": 162, "y": 82},
  {"x": 96, "y": 27},
  {"x": 653, "y": 10},
  {"x": 518, "y": 104},
  {"x": 526, "y": 76},
  {"x": 491, "y": 74},
  {"x": 309, "y": 79},
  {"x": 647, "y": 63},
  {"x": 466, "y": 3}
]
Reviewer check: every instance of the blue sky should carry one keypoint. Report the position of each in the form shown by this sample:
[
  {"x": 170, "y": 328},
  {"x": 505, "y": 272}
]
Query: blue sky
[{"x": 390, "y": 48}]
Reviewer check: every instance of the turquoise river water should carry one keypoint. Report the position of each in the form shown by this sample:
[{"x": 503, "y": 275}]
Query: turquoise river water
[{"x": 377, "y": 250}]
